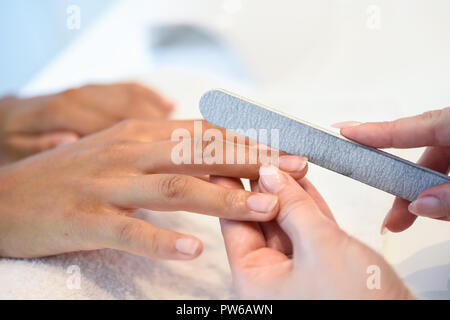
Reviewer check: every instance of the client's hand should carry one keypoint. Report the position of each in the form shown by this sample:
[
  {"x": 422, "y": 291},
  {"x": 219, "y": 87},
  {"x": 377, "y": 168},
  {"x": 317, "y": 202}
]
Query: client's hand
[
  {"x": 80, "y": 196},
  {"x": 304, "y": 254},
  {"x": 431, "y": 129},
  {"x": 28, "y": 126}
]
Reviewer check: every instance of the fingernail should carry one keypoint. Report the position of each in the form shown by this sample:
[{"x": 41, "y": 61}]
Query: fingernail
[
  {"x": 292, "y": 163},
  {"x": 271, "y": 178},
  {"x": 262, "y": 202},
  {"x": 60, "y": 141},
  {"x": 384, "y": 229},
  {"x": 187, "y": 246},
  {"x": 428, "y": 206},
  {"x": 346, "y": 124}
]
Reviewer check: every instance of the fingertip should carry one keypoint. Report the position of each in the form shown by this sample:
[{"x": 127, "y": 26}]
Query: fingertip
[
  {"x": 384, "y": 229},
  {"x": 188, "y": 248},
  {"x": 56, "y": 139},
  {"x": 428, "y": 206},
  {"x": 66, "y": 138},
  {"x": 432, "y": 203},
  {"x": 262, "y": 202},
  {"x": 295, "y": 166},
  {"x": 351, "y": 132},
  {"x": 298, "y": 175},
  {"x": 346, "y": 124},
  {"x": 271, "y": 179},
  {"x": 370, "y": 134},
  {"x": 169, "y": 105},
  {"x": 399, "y": 218},
  {"x": 400, "y": 227}
]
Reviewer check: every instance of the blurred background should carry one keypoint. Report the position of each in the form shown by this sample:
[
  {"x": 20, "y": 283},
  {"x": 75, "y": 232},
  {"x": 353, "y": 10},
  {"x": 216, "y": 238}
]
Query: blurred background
[{"x": 323, "y": 61}]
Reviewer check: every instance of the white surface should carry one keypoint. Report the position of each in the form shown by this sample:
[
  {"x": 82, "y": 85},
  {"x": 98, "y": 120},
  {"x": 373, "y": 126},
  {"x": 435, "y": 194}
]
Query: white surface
[{"x": 315, "y": 60}]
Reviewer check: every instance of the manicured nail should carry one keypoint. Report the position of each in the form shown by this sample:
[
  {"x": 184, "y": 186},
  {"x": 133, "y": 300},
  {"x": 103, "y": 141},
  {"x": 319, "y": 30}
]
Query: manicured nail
[
  {"x": 384, "y": 229},
  {"x": 187, "y": 246},
  {"x": 292, "y": 163},
  {"x": 271, "y": 178},
  {"x": 262, "y": 202},
  {"x": 428, "y": 206},
  {"x": 346, "y": 124},
  {"x": 63, "y": 140}
]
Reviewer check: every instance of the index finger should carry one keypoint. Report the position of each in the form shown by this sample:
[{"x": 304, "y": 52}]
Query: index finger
[{"x": 428, "y": 129}]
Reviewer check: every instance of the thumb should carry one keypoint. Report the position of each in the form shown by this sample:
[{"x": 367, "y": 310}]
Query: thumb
[
  {"x": 30, "y": 144},
  {"x": 433, "y": 203},
  {"x": 299, "y": 214}
]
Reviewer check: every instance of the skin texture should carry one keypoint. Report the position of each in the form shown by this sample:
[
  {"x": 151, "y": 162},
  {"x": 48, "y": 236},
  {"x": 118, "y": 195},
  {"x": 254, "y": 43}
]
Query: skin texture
[
  {"x": 430, "y": 129},
  {"x": 29, "y": 126},
  {"x": 303, "y": 254},
  {"x": 81, "y": 196}
]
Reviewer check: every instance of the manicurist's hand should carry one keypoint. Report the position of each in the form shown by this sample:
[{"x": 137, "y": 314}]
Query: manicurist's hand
[
  {"x": 81, "y": 196},
  {"x": 28, "y": 126},
  {"x": 303, "y": 254},
  {"x": 431, "y": 130}
]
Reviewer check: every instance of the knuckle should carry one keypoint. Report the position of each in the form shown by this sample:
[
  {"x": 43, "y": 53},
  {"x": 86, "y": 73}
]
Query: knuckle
[
  {"x": 432, "y": 115},
  {"x": 234, "y": 199},
  {"x": 128, "y": 231},
  {"x": 110, "y": 152},
  {"x": 173, "y": 186},
  {"x": 115, "y": 147},
  {"x": 154, "y": 242},
  {"x": 293, "y": 205},
  {"x": 391, "y": 127},
  {"x": 289, "y": 209}
]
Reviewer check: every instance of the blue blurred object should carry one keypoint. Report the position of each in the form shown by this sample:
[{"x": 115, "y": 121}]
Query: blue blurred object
[
  {"x": 195, "y": 47},
  {"x": 33, "y": 32}
]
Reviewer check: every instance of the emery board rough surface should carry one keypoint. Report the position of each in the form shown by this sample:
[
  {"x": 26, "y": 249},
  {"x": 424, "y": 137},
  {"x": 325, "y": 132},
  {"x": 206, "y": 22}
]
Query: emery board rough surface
[{"x": 326, "y": 149}]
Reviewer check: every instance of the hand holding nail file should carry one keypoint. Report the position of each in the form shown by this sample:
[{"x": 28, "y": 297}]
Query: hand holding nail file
[{"x": 326, "y": 149}]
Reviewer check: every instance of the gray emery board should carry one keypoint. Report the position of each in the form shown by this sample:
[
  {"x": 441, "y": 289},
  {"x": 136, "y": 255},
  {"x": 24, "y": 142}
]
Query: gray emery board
[{"x": 373, "y": 167}]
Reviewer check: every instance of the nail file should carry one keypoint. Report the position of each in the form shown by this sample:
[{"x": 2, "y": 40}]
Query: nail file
[{"x": 373, "y": 167}]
